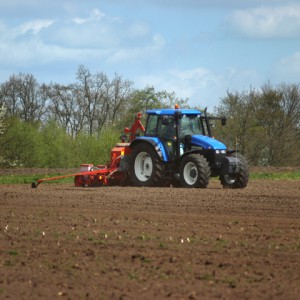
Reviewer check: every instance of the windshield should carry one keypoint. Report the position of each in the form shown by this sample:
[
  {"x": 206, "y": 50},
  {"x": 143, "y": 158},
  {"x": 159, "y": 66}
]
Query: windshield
[{"x": 190, "y": 124}]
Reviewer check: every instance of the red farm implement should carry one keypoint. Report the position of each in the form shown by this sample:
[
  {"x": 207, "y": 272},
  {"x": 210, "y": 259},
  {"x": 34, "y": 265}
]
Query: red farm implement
[{"x": 90, "y": 175}]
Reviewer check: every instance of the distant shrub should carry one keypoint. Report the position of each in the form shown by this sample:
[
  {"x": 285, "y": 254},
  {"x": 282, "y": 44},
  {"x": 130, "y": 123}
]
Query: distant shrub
[{"x": 32, "y": 145}]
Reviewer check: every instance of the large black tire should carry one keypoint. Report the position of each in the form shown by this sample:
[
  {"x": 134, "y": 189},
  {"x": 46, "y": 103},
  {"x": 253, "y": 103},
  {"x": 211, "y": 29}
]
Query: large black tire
[
  {"x": 146, "y": 168},
  {"x": 237, "y": 181},
  {"x": 194, "y": 171}
]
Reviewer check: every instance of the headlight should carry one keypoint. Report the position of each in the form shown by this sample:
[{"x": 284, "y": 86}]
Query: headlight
[{"x": 220, "y": 151}]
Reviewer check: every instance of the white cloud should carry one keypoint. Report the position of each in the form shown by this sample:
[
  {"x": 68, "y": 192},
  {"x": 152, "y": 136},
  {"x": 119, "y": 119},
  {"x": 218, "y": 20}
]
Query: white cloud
[
  {"x": 289, "y": 67},
  {"x": 267, "y": 22},
  {"x": 138, "y": 29},
  {"x": 16, "y": 55},
  {"x": 98, "y": 37},
  {"x": 29, "y": 43},
  {"x": 21, "y": 45},
  {"x": 86, "y": 35},
  {"x": 64, "y": 34},
  {"x": 34, "y": 26},
  {"x": 192, "y": 79},
  {"x": 201, "y": 86},
  {"x": 95, "y": 15},
  {"x": 127, "y": 54}
]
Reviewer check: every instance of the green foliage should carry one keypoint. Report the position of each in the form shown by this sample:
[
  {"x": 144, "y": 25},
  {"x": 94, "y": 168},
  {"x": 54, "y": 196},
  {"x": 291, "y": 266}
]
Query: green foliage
[
  {"x": 56, "y": 147},
  {"x": 148, "y": 98},
  {"x": 13, "y": 252},
  {"x": 20, "y": 144},
  {"x": 95, "y": 149},
  {"x": 33, "y": 145},
  {"x": 2, "y": 114},
  {"x": 28, "y": 179},
  {"x": 65, "y": 125},
  {"x": 263, "y": 124},
  {"x": 238, "y": 108},
  {"x": 276, "y": 175}
]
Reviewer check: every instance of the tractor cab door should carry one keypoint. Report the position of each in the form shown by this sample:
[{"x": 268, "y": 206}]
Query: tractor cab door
[
  {"x": 166, "y": 131},
  {"x": 151, "y": 126},
  {"x": 163, "y": 127}
]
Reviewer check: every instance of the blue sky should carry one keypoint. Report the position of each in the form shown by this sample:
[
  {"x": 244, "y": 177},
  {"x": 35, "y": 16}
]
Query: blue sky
[{"x": 197, "y": 48}]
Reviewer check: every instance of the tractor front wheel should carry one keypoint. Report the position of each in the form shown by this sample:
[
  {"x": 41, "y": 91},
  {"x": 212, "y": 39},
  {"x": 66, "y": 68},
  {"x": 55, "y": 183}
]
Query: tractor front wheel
[
  {"x": 194, "y": 171},
  {"x": 146, "y": 167},
  {"x": 237, "y": 181}
]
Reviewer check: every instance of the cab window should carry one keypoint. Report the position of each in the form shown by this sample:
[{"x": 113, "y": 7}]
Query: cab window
[
  {"x": 151, "y": 125},
  {"x": 166, "y": 127},
  {"x": 190, "y": 125}
]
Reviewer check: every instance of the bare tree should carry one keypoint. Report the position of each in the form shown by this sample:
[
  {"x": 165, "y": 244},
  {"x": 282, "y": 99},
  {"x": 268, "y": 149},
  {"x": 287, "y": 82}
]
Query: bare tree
[
  {"x": 9, "y": 95},
  {"x": 22, "y": 97},
  {"x": 103, "y": 100},
  {"x": 66, "y": 107},
  {"x": 120, "y": 92},
  {"x": 93, "y": 91}
]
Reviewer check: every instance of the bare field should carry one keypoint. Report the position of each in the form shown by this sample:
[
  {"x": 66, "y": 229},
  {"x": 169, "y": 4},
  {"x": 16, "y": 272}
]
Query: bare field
[{"x": 62, "y": 242}]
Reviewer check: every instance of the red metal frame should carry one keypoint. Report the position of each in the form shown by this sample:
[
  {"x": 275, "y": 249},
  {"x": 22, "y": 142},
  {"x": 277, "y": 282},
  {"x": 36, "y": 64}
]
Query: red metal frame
[{"x": 137, "y": 125}]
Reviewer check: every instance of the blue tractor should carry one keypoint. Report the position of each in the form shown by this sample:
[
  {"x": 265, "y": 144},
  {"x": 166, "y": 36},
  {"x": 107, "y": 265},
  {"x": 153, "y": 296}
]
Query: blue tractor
[{"x": 177, "y": 149}]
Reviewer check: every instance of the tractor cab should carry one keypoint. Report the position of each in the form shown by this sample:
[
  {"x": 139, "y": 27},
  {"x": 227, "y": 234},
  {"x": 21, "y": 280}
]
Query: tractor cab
[{"x": 180, "y": 131}]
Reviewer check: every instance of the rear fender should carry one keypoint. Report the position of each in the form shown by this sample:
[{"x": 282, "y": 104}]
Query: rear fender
[{"x": 155, "y": 143}]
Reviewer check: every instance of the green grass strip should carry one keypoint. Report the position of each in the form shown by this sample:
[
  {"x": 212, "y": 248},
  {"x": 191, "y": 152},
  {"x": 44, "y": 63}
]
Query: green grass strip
[
  {"x": 276, "y": 175},
  {"x": 28, "y": 179}
]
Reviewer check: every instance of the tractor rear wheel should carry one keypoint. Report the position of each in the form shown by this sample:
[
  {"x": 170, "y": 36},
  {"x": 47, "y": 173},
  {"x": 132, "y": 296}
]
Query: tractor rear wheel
[
  {"x": 146, "y": 168},
  {"x": 194, "y": 171},
  {"x": 237, "y": 181}
]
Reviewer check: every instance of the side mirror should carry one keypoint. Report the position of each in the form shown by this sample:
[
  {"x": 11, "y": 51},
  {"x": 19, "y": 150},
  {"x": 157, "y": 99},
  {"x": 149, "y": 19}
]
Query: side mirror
[{"x": 223, "y": 121}]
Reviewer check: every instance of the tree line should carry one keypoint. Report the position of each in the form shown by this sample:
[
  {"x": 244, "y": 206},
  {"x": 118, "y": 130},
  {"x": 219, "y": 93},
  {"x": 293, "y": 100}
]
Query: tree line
[
  {"x": 56, "y": 125},
  {"x": 90, "y": 104},
  {"x": 264, "y": 124}
]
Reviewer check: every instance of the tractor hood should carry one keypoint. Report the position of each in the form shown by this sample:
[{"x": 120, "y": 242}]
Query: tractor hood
[{"x": 207, "y": 142}]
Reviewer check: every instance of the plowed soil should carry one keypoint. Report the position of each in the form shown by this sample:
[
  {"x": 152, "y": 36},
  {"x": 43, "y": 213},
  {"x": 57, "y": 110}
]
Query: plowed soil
[{"x": 62, "y": 242}]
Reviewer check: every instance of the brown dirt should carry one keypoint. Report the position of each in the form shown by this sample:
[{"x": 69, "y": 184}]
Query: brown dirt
[{"x": 62, "y": 242}]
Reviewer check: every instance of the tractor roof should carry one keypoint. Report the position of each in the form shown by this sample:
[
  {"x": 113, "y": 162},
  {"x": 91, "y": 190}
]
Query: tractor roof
[{"x": 171, "y": 111}]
